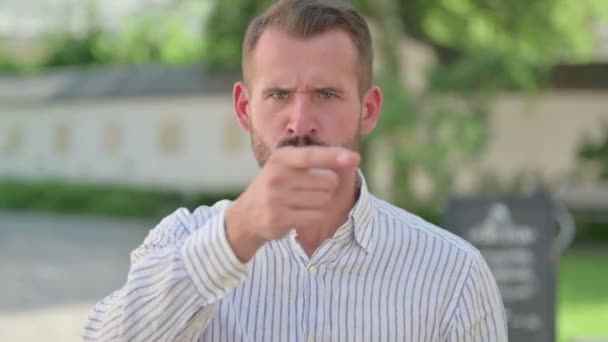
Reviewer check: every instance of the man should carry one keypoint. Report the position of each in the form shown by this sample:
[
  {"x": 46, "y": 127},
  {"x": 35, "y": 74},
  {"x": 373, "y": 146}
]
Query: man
[{"x": 306, "y": 253}]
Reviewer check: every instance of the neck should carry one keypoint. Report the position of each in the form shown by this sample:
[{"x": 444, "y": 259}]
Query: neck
[{"x": 311, "y": 238}]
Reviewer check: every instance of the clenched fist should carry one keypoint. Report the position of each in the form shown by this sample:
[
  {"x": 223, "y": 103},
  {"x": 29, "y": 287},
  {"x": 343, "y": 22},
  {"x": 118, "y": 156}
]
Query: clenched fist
[{"x": 293, "y": 189}]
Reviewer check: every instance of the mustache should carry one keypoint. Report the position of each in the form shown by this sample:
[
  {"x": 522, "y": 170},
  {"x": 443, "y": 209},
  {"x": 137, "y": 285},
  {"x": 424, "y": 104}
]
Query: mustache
[{"x": 301, "y": 140}]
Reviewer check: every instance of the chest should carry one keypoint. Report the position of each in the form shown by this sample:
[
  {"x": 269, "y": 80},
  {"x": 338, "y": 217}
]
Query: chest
[{"x": 360, "y": 299}]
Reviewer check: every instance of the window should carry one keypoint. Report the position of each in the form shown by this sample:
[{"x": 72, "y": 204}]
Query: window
[{"x": 170, "y": 142}]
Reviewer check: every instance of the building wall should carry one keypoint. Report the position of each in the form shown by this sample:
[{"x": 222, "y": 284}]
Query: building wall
[
  {"x": 195, "y": 144},
  {"x": 188, "y": 144},
  {"x": 541, "y": 135}
]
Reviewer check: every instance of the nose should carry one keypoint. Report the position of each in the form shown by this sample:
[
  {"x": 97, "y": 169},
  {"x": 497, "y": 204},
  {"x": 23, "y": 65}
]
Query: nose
[{"x": 302, "y": 121}]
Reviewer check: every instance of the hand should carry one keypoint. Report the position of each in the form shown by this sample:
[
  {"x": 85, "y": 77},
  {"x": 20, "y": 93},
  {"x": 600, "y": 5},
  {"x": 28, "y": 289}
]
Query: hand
[{"x": 293, "y": 189}]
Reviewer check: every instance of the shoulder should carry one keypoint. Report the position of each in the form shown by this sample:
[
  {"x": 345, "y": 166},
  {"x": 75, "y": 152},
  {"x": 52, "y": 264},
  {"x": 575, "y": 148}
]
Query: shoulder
[
  {"x": 458, "y": 262},
  {"x": 406, "y": 226},
  {"x": 464, "y": 274}
]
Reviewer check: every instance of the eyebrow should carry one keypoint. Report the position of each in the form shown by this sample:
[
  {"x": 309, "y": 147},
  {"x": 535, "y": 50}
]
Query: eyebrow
[
  {"x": 273, "y": 90},
  {"x": 333, "y": 90},
  {"x": 330, "y": 90}
]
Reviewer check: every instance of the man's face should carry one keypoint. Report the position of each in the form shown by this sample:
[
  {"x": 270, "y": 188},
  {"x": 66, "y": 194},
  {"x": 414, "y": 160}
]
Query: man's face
[{"x": 302, "y": 91}]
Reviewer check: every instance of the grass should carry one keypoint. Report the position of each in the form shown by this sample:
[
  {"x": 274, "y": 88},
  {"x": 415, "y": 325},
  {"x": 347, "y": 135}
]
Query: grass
[{"x": 583, "y": 295}]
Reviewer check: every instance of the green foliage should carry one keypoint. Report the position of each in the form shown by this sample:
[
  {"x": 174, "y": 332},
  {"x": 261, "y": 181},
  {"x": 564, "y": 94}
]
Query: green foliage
[
  {"x": 591, "y": 231},
  {"x": 429, "y": 134},
  {"x": 9, "y": 66},
  {"x": 79, "y": 198},
  {"x": 484, "y": 47},
  {"x": 594, "y": 154},
  {"x": 225, "y": 29},
  {"x": 488, "y": 72},
  {"x": 534, "y": 32},
  {"x": 67, "y": 50},
  {"x": 540, "y": 30},
  {"x": 171, "y": 36}
]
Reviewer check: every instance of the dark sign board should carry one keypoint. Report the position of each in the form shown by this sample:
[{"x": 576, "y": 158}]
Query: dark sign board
[{"x": 516, "y": 236}]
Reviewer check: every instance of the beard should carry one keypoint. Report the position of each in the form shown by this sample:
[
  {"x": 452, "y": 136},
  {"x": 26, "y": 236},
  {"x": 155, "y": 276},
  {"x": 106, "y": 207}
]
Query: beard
[{"x": 262, "y": 150}]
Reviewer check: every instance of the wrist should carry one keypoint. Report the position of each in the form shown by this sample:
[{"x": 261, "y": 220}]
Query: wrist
[{"x": 243, "y": 241}]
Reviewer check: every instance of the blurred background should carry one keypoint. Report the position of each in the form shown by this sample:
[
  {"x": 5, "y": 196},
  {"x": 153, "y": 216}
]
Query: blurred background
[{"x": 115, "y": 113}]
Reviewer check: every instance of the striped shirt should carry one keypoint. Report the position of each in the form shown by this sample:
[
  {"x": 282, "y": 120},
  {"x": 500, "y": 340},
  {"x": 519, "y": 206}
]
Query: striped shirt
[{"x": 386, "y": 275}]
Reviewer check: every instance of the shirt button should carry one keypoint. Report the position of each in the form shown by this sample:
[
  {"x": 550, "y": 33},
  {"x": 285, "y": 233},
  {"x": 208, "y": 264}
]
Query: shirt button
[{"x": 313, "y": 270}]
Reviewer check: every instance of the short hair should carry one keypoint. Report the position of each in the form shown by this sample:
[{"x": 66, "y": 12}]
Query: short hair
[{"x": 307, "y": 18}]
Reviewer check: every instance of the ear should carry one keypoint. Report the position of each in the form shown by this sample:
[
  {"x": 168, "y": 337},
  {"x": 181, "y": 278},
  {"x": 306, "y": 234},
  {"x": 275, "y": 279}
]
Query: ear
[
  {"x": 372, "y": 106},
  {"x": 241, "y": 105}
]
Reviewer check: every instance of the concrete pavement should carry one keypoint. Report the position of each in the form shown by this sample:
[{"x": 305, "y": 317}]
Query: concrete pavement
[{"x": 54, "y": 268}]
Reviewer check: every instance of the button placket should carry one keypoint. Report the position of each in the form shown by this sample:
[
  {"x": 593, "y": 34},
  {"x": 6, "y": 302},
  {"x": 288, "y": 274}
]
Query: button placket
[
  {"x": 315, "y": 301},
  {"x": 313, "y": 270}
]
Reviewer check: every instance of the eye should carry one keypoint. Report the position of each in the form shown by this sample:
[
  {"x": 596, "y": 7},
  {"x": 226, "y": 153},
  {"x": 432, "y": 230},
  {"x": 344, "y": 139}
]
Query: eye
[
  {"x": 326, "y": 95},
  {"x": 279, "y": 95}
]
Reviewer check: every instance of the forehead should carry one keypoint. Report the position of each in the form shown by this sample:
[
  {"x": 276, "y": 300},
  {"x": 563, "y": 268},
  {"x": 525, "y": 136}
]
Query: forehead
[{"x": 330, "y": 55}]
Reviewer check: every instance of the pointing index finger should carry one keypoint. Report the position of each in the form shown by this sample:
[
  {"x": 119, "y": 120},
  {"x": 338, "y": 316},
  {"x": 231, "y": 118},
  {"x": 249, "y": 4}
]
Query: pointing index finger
[{"x": 324, "y": 157}]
